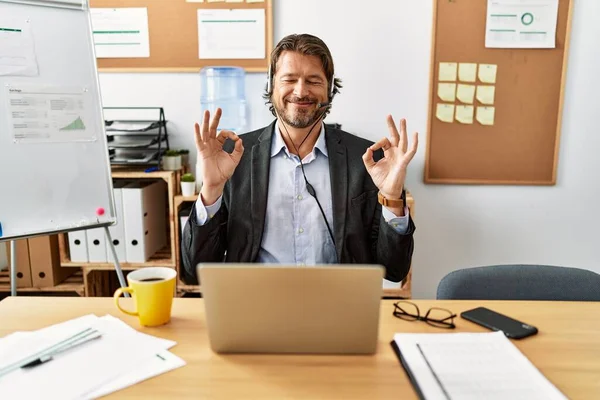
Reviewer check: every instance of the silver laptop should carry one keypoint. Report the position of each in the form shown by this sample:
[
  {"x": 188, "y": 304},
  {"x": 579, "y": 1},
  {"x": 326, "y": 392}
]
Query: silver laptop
[{"x": 267, "y": 308}]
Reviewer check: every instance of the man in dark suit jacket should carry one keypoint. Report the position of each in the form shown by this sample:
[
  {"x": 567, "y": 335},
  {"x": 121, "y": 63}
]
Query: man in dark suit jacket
[{"x": 251, "y": 207}]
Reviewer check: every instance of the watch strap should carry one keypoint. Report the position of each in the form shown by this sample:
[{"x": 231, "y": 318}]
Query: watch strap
[{"x": 390, "y": 202}]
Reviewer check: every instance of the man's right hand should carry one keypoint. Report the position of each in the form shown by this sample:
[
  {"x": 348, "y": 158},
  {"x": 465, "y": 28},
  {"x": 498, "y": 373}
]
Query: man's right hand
[{"x": 217, "y": 165}]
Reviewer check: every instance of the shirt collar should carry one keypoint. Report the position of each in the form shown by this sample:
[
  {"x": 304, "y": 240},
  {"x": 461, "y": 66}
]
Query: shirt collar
[{"x": 277, "y": 144}]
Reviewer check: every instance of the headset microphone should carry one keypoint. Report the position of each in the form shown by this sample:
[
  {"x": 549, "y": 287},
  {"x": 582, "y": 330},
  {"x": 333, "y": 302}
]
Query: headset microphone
[{"x": 324, "y": 104}]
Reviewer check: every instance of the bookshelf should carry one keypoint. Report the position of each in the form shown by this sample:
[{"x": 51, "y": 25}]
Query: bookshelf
[{"x": 96, "y": 275}]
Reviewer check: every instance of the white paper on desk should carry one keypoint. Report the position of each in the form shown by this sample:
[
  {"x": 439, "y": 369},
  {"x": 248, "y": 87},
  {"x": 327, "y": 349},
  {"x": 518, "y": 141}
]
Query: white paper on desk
[
  {"x": 19, "y": 345},
  {"x": 521, "y": 24},
  {"x": 155, "y": 364},
  {"x": 85, "y": 368},
  {"x": 17, "y": 52},
  {"x": 472, "y": 366},
  {"x": 115, "y": 326},
  {"x": 231, "y": 34},
  {"x": 121, "y": 32},
  {"x": 73, "y": 374},
  {"x": 158, "y": 364}
]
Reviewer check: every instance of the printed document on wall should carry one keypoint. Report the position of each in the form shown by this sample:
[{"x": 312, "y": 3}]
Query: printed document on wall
[
  {"x": 121, "y": 32},
  {"x": 17, "y": 53},
  {"x": 521, "y": 24},
  {"x": 40, "y": 113},
  {"x": 231, "y": 34}
]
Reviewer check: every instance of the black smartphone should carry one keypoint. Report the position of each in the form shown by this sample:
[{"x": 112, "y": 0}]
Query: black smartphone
[{"x": 499, "y": 322}]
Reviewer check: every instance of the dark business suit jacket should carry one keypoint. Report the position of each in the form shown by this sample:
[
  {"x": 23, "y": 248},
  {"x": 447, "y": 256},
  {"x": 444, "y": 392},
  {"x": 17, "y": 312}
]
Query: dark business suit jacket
[{"x": 362, "y": 236}]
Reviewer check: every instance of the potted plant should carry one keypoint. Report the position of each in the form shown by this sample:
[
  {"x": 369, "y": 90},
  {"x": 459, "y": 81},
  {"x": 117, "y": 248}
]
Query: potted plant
[
  {"x": 171, "y": 160},
  {"x": 188, "y": 185},
  {"x": 185, "y": 156}
]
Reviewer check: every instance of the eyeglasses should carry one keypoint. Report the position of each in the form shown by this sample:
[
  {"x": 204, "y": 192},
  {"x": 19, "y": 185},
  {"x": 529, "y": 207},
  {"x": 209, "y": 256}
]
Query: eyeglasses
[{"x": 438, "y": 317}]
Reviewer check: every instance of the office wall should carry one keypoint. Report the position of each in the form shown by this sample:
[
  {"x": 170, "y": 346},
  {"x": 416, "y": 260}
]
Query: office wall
[{"x": 382, "y": 54}]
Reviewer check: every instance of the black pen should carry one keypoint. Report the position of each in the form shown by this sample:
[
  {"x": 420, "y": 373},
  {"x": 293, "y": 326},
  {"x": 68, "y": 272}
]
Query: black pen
[
  {"x": 46, "y": 355},
  {"x": 94, "y": 334}
]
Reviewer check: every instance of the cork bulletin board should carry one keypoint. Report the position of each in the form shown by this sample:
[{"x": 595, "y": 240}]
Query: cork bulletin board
[
  {"x": 173, "y": 33},
  {"x": 494, "y": 113}
]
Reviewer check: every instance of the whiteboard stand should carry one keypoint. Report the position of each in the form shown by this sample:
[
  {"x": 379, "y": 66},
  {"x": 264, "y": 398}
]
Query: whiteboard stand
[
  {"x": 117, "y": 265},
  {"x": 55, "y": 65},
  {"x": 13, "y": 268}
]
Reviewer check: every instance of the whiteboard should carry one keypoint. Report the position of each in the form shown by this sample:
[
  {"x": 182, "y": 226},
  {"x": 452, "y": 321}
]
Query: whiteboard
[{"x": 54, "y": 165}]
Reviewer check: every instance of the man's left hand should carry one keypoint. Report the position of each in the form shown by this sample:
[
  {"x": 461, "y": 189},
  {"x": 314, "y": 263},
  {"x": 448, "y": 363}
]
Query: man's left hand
[{"x": 389, "y": 173}]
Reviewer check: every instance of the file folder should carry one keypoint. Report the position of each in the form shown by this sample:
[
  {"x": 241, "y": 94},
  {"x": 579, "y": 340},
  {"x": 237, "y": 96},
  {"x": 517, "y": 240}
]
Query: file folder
[
  {"x": 23, "y": 270},
  {"x": 470, "y": 365},
  {"x": 96, "y": 242},
  {"x": 78, "y": 246},
  {"x": 44, "y": 256},
  {"x": 145, "y": 216},
  {"x": 117, "y": 231}
]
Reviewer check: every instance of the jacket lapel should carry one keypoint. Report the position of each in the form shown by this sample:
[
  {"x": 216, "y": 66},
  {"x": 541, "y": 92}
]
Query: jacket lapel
[
  {"x": 259, "y": 186},
  {"x": 338, "y": 172}
]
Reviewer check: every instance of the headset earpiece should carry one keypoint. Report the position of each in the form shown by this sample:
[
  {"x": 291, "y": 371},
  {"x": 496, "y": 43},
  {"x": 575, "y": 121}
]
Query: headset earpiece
[
  {"x": 269, "y": 77},
  {"x": 331, "y": 90}
]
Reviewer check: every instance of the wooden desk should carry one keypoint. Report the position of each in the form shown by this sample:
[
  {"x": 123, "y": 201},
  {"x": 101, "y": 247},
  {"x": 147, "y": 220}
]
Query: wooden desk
[{"x": 566, "y": 351}]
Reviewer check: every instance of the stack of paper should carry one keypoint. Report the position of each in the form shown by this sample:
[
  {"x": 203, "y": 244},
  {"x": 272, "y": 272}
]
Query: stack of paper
[
  {"x": 470, "y": 366},
  {"x": 120, "y": 358}
]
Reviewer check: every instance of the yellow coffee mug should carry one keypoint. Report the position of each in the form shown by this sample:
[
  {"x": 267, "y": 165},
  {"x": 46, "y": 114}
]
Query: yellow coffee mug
[{"x": 152, "y": 289}]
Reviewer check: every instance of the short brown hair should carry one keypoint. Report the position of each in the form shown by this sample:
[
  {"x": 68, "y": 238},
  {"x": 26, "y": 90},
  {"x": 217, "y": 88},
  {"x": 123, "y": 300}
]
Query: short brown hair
[{"x": 308, "y": 45}]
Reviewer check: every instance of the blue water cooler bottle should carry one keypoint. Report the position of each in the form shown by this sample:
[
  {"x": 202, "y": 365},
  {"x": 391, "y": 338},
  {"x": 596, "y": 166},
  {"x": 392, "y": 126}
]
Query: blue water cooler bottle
[{"x": 223, "y": 87}]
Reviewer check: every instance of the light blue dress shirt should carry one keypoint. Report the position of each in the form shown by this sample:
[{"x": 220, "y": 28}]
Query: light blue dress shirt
[{"x": 294, "y": 231}]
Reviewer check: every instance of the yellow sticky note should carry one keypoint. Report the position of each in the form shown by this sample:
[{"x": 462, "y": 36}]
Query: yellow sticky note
[
  {"x": 255, "y": 1},
  {"x": 215, "y": 1},
  {"x": 447, "y": 91},
  {"x": 485, "y": 115},
  {"x": 234, "y": 1},
  {"x": 485, "y": 94},
  {"x": 487, "y": 73},
  {"x": 445, "y": 112},
  {"x": 465, "y": 93},
  {"x": 467, "y": 72},
  {"x": 447, "y": 72},
  {"x": 464, "y": 114}
]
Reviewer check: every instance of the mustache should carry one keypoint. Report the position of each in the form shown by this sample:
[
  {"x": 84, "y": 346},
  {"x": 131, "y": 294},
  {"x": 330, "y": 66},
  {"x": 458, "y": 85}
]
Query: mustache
[{"x": 301, "y": 100}]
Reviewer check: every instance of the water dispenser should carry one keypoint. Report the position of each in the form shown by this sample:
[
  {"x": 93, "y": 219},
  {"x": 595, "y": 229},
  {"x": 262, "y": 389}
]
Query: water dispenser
[{"x": 224, "y": 87}]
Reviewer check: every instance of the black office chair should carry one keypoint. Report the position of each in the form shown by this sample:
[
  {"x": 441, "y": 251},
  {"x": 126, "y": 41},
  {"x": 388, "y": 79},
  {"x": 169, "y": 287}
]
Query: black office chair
[{"x": 520, "y": 282}]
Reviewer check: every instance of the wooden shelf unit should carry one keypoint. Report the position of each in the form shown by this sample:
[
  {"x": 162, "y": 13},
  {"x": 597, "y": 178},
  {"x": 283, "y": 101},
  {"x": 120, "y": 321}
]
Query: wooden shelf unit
[
  {"x": 172, "y": 178},
  {"x": 165, "y": 257},
  {"x": 96, "y": 283},
  {"x": 86, "y": 282},
  {"x": 403, "y": 291},
  {"x": 73, "y": 283}
]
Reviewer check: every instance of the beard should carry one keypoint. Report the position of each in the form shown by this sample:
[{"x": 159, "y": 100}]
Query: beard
[{"x": 297, "y": 118}]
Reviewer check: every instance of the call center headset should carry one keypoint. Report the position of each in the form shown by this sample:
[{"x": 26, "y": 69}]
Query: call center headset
[{"x": 309, "y": 188}]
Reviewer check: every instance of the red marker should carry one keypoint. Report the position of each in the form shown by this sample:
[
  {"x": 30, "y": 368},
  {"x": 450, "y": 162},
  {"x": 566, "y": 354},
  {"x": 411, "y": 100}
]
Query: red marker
[{"x": 100, "y": 211}]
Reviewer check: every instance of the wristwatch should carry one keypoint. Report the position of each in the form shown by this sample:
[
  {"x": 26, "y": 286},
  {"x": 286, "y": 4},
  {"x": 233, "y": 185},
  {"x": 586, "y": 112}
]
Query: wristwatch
[{"x": 391, "y": 202}]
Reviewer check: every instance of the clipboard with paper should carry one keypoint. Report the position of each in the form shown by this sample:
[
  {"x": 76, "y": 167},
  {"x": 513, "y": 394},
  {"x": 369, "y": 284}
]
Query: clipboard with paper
[{"x": 468, "y": 366}]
